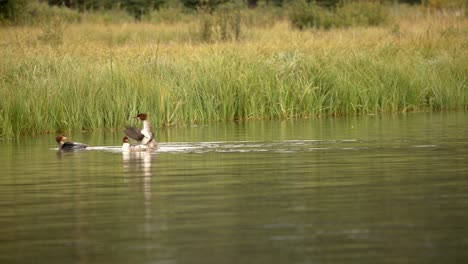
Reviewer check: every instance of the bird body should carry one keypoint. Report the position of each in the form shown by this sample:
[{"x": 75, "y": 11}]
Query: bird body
[
  {"x": 69, "y": 146},
  {"x": 127, "y": 147},
  {"x": 145, "y": 135}
]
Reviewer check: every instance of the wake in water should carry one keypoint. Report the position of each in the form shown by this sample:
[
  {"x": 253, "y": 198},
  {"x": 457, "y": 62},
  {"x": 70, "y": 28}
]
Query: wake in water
[{"x": 286, "y": 146}]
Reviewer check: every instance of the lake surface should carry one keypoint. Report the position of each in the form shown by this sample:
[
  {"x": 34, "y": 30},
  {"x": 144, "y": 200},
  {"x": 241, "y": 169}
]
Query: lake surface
[{"x": 371, "y": 189}]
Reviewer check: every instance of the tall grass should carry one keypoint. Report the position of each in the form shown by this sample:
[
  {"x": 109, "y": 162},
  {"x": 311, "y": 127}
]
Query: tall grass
[{"x": 100, "y": 75}]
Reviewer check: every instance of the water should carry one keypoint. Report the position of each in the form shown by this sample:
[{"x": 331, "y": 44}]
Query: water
[{"x": 373, "y": 189}]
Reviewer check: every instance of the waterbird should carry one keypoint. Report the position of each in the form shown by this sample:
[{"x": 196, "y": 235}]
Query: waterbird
[
  {"x": 127, "y": 147},
  {"x": 145, "y": 135},
  {"x": 68, "y": 146}
]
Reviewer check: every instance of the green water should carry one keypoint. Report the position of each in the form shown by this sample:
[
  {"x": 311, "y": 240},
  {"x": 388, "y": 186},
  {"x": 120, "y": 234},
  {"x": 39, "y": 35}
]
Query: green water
[{"x": 372, "y": 189}]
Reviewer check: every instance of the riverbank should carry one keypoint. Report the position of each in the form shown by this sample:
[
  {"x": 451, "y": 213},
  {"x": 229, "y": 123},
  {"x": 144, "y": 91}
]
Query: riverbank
[{"x": 89, "y": 76}]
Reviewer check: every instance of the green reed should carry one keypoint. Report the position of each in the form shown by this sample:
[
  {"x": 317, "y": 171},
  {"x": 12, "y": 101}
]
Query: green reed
[{"x": 83, "y": 85}]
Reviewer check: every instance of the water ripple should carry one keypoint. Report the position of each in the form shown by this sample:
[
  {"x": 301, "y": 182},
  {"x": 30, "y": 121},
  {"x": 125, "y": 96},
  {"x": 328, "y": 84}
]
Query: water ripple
[{"x": 286, "y": 146}]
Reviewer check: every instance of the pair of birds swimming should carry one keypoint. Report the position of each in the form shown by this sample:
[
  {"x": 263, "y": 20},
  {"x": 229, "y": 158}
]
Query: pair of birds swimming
[{"x": 145, "y": 136}]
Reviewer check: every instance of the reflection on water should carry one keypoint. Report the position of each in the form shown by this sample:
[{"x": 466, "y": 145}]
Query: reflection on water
[
  {"x": 388, "y": 189},
  {"x": 139, "y": 163}
]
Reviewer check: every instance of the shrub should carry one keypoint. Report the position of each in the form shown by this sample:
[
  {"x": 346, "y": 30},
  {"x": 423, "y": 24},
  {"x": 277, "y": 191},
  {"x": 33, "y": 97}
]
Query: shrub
[
  {"x": 40, "y": 13},
  {"x": 12, "y": 11},
  {"x": 362, "y": 13},
  {"x": 448, "y": 4},
  {"x": 52, "y": 32},
  {"x": 223, "y": 24},
  {"x": 263, "y": 16},
  {"x": 110, "y": 16},
  {"x": 172, "y": 15},
  {"x": 310, "y": 15},
  {"x": 460, "y": 7}
]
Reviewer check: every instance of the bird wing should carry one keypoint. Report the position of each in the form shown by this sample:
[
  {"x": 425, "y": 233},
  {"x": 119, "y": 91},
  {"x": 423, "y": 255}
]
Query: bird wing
[{"x": 134, "y": 133}]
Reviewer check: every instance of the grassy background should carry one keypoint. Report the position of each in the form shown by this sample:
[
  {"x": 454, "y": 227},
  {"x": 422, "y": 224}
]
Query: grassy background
[{"x": 94, "y": 75}]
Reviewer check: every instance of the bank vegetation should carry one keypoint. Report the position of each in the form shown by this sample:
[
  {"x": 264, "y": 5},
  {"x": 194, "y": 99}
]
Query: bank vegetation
[{"x": 93, "y": 70}]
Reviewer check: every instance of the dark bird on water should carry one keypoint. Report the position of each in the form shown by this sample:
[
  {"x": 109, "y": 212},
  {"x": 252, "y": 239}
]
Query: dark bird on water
[{"x": 68, "y": 146}]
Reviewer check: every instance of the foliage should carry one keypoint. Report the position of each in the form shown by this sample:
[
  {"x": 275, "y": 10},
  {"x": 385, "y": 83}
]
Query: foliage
[
  {"x": 303, "y": 13},
  {"x": 362, "y": 13},
  {"x": 207, "y": 5},
  {"x": 107, "y": 16},
  {"x": 263, "y": 16},
  {"x": 447, "y": 4},
  {"x": 40, "y": 13},
  {"x": 87, "y": 5},
  {"x": 413, "y": 2},
  {"x": 310, "y": 15},
  {"x": 328, "y": 3},
  {"x": 137, "y": 8},
  {"x": 140, "y": 8},
  {"x": 176, "y": 14},
  {"x": 52, "y": 32},
  {"x": 223, "y": 24},
  {"x": 97, "y": 74},
  {"x": 12, "y": 10},
  {"x": 350, "y": 13}
]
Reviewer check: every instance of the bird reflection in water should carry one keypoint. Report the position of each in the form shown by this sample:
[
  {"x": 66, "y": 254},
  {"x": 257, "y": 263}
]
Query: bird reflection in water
[{"x": 138, "y": 165}]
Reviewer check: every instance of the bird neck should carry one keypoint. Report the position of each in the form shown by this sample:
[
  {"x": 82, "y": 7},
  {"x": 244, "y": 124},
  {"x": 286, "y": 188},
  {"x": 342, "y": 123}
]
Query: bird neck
[
  {"x": 126, "y": 146},
  {"x": 146, "y": 125}
]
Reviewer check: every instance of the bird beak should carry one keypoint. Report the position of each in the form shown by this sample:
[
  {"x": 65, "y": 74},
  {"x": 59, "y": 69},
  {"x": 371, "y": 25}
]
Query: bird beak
[{"x": 64, "y": 138}]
